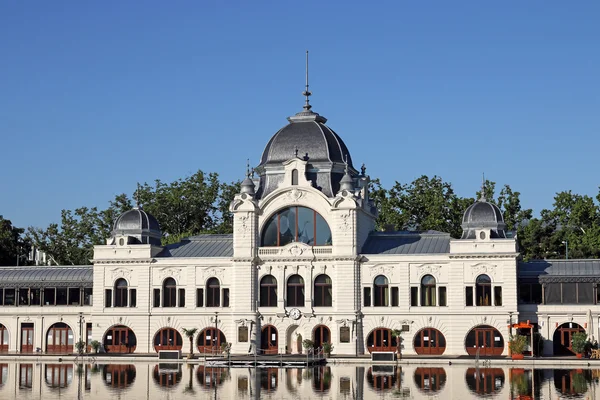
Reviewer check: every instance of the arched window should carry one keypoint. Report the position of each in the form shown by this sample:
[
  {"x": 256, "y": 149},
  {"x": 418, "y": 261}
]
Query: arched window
[
  {"x": 268, "y": 291},
  {"x": 3, "y": 339},
  {"x": 59, "y": 338},
  {"x": 381, "y": 290},
  {"x": 169, "y": 293},
  {"x": 483, "y": 290},
  {"x": 428, "y": 291},
  {"x": 168, "y": 339},
  {"x": 296, "y": 224},
  {"x": 295, "y": 291},
  {"x": 121, "y": 293},
  {"x": 323, "y": 291},
  {"x": 213, "y": 289},
  {"x": 294, "y": 177},
  {"x": 209, "y": 340}
]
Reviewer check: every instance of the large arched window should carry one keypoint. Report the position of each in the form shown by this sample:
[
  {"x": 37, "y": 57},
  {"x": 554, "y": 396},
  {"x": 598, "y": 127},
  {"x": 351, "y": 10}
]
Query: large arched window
[
  {"x": 295, "y": 291},
  {"x": 268, "y": 291},
  {"x": 323, "y": 291},
  {"x": 121, "y": 293},
  {"x": 428, "y": 291},
  {"x": 169, "y": 293},
  {"x": 296, "y": 224},
  {"x": 212, "y": 292},
  {"x": 381, "y": 289},
  {"x": 483, "y": 290}
]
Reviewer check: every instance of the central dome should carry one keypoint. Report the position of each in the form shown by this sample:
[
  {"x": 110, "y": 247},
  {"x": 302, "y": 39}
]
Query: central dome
[{"x": 306, "y": 134}]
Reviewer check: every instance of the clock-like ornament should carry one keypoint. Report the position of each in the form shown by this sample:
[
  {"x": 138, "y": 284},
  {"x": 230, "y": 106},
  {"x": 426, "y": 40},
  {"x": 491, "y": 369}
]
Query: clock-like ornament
[{"x": 295, "y": 313}]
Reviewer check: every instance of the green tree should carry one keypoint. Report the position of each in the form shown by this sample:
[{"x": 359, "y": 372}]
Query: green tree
[{"x": 13, "y": 245}]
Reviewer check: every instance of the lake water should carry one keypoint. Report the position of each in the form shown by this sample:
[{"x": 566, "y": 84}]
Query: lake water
[{"x": 142, "y": 380}]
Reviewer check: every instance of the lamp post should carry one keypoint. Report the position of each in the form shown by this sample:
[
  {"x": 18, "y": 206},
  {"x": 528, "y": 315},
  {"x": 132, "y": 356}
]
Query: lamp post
[
  {"x": 566, "y": 243},
  {"x": 216, "y": 335}
]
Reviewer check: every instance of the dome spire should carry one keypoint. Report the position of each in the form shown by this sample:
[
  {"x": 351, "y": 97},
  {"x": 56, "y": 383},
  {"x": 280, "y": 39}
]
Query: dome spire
[
  {"x": 306, "y": 92},
  {"x": 247, "y": 185},
  {"x": 482, "y": 197},
  {"x": 137, "y": 196}
]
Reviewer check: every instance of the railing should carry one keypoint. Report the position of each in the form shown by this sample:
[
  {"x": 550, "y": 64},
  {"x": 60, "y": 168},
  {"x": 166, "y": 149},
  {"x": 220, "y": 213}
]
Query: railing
[{"x": 275, "y": 251}]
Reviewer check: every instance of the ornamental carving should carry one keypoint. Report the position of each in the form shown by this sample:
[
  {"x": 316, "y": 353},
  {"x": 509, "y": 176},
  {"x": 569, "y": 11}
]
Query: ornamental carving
[
  {"x": 212, "y": 271},
  {"x": 345, "y": 222},
  {"x": 295, "y": 251},
  {"x": 483, "y": 269},
  {"x": 428, "y": 269},
  {"x": 243, "y": 224},
  {"x": 381, "y": 270},
  {"x": 121, "y": 272},
  {"x": 170, "y": 272},
  {"x": 294, "y": 195}
]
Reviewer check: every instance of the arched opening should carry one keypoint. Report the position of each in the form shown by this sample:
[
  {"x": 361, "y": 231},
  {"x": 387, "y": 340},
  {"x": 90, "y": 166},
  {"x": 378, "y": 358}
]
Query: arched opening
[
  {"x": 295, "y": 291},
  {"x": 563, "y": 338},
  {"x": 381, "y": 339},
  {"x": 321, "y": 334},
  {"x": 485, "y": 381},
  {"x": 430, "y": 380},
  {"x": 294, "y": 177},
  {"x": 323, "y": 291},
  {"x": 428, "y": 291},
  {"x": 483, "y": 290},
  {"x": 296, "y": 224},
  {"x": 321, "y": 379},
  {"x": 167, "y": 377},
  {"x": 167, "y": 339},
  {"x": 59, "y": 339},
  {"x": 118, "y": 375},
  {"x": 3, "y": 339},
  {"x": 58, "y": 376},
  {"x": 429, "y": 341},
  {"x": 268, "y": 291},
  {"x": 269, "y": 340},
  {"x": 384, "y": 378},
  {"x": 210, "y": 377},
  {"x": 119, "y": 339},
  {"x": 169, "y": 293},
  {"x": 381, "y": 287},
  {"x": 213, "y": 290},
  {"x": 209, "y": 341},
  {"x": 486, "y": 340},
  {"x": 121, "y": 293},
  {"x": 573, "y": 382},
  {"x": 293, "y": 344}
]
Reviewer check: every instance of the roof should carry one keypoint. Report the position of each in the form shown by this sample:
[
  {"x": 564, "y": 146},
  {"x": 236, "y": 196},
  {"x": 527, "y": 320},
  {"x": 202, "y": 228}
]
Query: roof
[
  {"x": 46, "y": 276},
  {"x": 561, "y": 270},
  {"x": 428, "y": 242},
  {"x": 201, "y": 246}
]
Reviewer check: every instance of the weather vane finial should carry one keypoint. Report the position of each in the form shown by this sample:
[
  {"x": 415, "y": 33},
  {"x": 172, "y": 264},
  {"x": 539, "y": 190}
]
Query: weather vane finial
[
  {"x": 306, "y": 92},
  {"x": 346, "y": 164},
  {"x": 482, "y": 197},
  {"x": 137, "y": 196},
  {"x": 248, "y": 167}
]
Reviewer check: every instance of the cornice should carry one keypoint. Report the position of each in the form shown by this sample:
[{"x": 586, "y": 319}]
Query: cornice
[
  {"x": 122, "y": 261},
  {"x": 483, "y": 255}
]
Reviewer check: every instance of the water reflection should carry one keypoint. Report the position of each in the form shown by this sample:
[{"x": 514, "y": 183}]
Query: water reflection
[{"x": 145, "y": 380}]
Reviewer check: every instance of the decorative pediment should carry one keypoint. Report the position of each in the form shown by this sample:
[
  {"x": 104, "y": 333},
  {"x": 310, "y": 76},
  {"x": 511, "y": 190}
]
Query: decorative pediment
[
  {"x": 214, "y": 271},
  {"x": 381, "y": 269},
  {"x": 170, "y": 272},
  {"x": 429, "y": 269},
  {"x": 121, "y": 272},
  {"x": 482, "y": 268}
]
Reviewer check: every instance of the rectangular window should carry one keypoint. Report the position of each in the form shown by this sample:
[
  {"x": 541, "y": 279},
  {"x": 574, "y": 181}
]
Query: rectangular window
[
  {"x": 156, "y": 298},
  {"x": 61, "y": 296},
  {"x": 367, "y": 297},
  {"x": 181, "y": 297},
  {"x": 569, "y": 293},
  {"x": 49, "y": 296},
  {"x": 87, "y": 296},
  {"x": 199, "y": 297},
  {"x": 525, "y": 293},
  {"x": 9, "y": 297},
  {"x": 23, "y": 297},
  {"x": 443, "y": 301},
  {"x": 585, "y": 293},
  {"x": 34, "y": 297},
  {"x": 497, "y": 295},
  {"x": 414, "y": 296},
  {"x": 395, "y": 297},
  {"x": 469, "y": 296},
  {"x": 133, "y": 298},
  {"x": 1, "y": 296},
  {"x": 107, "y": 298},
  {"x": 74, "y": 296},
  {"x": 225, "y": 298},
  {"x": 345, "y": 334},
  {"x": 536, "y": 293}
]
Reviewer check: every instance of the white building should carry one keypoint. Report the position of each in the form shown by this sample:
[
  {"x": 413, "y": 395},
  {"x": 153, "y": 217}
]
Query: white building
[{"x": 303, "y": 259}]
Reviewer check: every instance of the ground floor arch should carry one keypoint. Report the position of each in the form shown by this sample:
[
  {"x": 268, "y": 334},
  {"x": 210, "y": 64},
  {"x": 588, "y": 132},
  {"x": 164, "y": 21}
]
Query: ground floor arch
[
  {"x": 563, "y": 338},
  {"x": 119, "y": 339},
  {"x": 269, "y": 340},
  {"x": 381, "y": 339},
  {"x": 485, "y": 339},
  {"x": 3, "y": 339},
  {"x": 167, "y": 339},
  {"x": 429, "y": 341},
  {"x": 210, "y": 340},
  {"x": 321, "y": 334},
  {"x": 293, "y": 340},
  {"x": 59, "y": 339}
]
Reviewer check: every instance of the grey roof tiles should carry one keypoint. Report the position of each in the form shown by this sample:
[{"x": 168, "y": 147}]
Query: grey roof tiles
[
  {"x": 201, "y": 246},
  {"x": 428, "y": 242},
  {"x": 46, "y": 276}
]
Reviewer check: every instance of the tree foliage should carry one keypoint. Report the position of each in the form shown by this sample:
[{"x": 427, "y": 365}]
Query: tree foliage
[{"x": 13, "y": 245}]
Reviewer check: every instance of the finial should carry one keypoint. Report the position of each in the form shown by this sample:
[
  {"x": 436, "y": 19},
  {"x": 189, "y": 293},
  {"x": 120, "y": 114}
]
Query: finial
[
  {"x": 482, "y": 197},
  {"x": 137, "y": 196},
  {"x": 296, "y": 152},
  {"x": 248, "y": 167},
  {"x": 306, "y": 92},
  {"x": 346, "y": 164},
  {"x": 363, "y": 169}
]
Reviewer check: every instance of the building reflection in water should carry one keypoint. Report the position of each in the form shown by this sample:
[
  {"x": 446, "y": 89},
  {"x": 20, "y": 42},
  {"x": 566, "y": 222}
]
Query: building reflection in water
[
  {"x": 118, "y": 375},
  {"x": 321, "y": 379},
  {"x": 209, "y": 377},
  {"x": 572, "y": 382},
  {"x": 58, "y": 375},
  {"x": 25, "y": 376},
  {"x": 3, "y": 374},
  {"x": 430, "y": 380},
  {"x": 268, "y": 378},
  {"x": 384, "y": 377},
  {"x": 485, "y": 381},
  {"x": 167, "y": 375}
]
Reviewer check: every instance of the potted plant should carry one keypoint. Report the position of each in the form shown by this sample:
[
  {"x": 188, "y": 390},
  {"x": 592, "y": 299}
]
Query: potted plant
[
  {"x": 299, "y": 343},
  {"x": 189, "y": 333},
  {"x": 579, "y": 383},
  {"x": 578, "y": 341},
  {"x": 80, "y": 347},
  {"x": 517, "y": 344},
  {"x": 226, "y": 348},
  {"x": 308, "y": 344},
  {"x": 397, "y": 334},
  {"x": 327, "y": 347},
  {"x": 95, "y": 345}
]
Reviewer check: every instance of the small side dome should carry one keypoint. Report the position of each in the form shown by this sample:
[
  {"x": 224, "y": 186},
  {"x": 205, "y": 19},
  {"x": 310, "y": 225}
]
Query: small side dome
[
  {"x": 140, "y": 225},
  {"x": 483, "y": 215}
]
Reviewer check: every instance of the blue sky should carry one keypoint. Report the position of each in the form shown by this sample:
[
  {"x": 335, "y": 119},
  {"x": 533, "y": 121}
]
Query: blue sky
[{"x": 96, "y": 96}]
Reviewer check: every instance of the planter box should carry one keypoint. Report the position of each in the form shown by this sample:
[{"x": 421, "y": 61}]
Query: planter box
[{"x": 517, "y": 356}]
